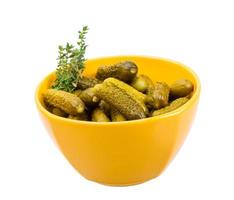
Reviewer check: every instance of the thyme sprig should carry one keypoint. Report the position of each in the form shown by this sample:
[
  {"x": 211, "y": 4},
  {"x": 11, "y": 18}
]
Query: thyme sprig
[{"x": 71, "y": 63}]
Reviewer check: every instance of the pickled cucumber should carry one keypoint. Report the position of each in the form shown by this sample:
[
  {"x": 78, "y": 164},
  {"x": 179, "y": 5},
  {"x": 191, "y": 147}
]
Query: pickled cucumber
[
  {"x": 48, "y": 106},
  {"x": 88, "y": 97},
  {"x": 59, "y": 112},
  {"x": 173, "y": 105},
  {"x": 124, "y": 71},
  {"x": 99, "y": 115},
  {"x": 150, "y": 85},
  {"x": 140, "y": 97},
  {"x": 105, "y": 107},
  {"x": 77, "y": 92},
  {"x": 82, "y": 117},
  {"x": 139, "y": 84},
  {"x": 65, "y": 101},
  {"x": 158, "y": 96},
  {"x": 86, "y": 82},
  {"x": 127, "y": 100},
  {"x": 116, "y": 116},
  {"x": 181, "y": 88},
  {"x": 143, "y": 84},
  {"x": 116, "y": 93}
]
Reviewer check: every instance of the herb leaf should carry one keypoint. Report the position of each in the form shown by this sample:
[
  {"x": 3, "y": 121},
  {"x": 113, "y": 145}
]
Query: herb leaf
[{"x": 71, "y": 63}]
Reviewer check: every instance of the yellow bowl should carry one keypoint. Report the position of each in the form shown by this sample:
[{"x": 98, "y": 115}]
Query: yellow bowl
[{"x": 124, "y": 153}]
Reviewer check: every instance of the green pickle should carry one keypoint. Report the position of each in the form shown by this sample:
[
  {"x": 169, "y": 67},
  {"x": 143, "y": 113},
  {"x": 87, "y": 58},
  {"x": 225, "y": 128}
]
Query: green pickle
[
  {"x": 158, "y": 97},
  {"x": 143, "y": 84},
  {"x": 77, "y": 92},
  {"x": 86, "y": 82},
  {"x": 88, "y": 97},
  {"x": 59, "y": 112},
  {"x": 116, "y": 116},
  {"x": 140, "y": 97},
  {"x": 127, "y": 100},
  {"x": 150, "y": 85},
  {"x": 98, "y": 115},
  {"x": 181, "y": 88},
  {"x": 173, "y": 105},
  {"x": 157, "y": 94},
  {"x": 124, "y": 71},
  {"x": 139, "y": 84},
  {"x": 48, "y": 106},
  {"x": 117, "y": 93},
  {"x": 104, "y": 106},
  {"x": 82, "y": 116},
  {"x": 65, "y": 101}
]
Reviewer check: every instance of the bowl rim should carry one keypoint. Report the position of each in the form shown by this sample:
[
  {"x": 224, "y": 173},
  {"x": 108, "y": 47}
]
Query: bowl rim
[{"x": 175, "y": 112}]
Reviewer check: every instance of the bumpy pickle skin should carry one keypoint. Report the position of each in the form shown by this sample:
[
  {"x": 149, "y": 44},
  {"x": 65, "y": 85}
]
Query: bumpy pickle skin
[
  {"x": 150, "y": 85},
  {"x": 86, "y": 82},
  {"x": 98, "y": 115},
  {"x": 116, "y": 116},
  {"x": 88, "y": 97},
  {"x": 59, "y": 112},
  {"x": 125, "y": 71},
  {"x": 138, "y": 96},
  {"x": 173, "y": 105},
  {"x": 122, "y": 97},
  {"x": 158, "y": 96},
  {"x": 67, "y": 102},
  {"x": 181, "y": 88}
]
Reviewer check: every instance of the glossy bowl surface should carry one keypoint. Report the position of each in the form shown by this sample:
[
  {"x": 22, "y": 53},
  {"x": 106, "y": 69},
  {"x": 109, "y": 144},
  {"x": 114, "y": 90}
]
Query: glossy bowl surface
[{"x": 124, "y": 153}]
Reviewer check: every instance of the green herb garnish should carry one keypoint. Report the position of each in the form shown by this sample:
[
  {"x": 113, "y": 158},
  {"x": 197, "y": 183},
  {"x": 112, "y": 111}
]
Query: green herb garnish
[{"x": 71, "y": 63}]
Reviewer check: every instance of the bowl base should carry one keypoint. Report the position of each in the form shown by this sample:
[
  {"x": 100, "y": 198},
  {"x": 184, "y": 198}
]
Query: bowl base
[{"x": 122, "y": 184}]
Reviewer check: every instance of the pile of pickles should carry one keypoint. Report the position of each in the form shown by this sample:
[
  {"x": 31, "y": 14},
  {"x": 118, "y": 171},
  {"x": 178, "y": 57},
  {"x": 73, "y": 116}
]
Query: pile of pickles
[{"x": 118, "y": 93}]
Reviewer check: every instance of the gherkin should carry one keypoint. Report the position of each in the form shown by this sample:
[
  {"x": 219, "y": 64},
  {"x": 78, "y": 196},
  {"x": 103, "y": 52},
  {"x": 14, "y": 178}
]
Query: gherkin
[
  {"x": 123, "y": 97},
  {"x": 173, "y": 105},
  {"x": 98, "y": 115},
  {"x": 77, "y": 92},
  {"x": 140, "y": 97},
  {"x": 158, "y": 96},
  {"x": 88, "y": 97},
  {"x": 105, "y": 107},
  {"x": 59, "y": 112},
  {"x": 116, "y": 116},
  {"x": 143, "y": 84},
  {"x": 67, "y": 102},
  {"x": 181, "y": 88},
  {"x": 82, "y": 116},
  {"x": 124, "y": 71},
  {"x": 86, "y": 82}
]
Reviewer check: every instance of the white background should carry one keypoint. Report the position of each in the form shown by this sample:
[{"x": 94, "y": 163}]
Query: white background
[{"x": 197, "y": 33}]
